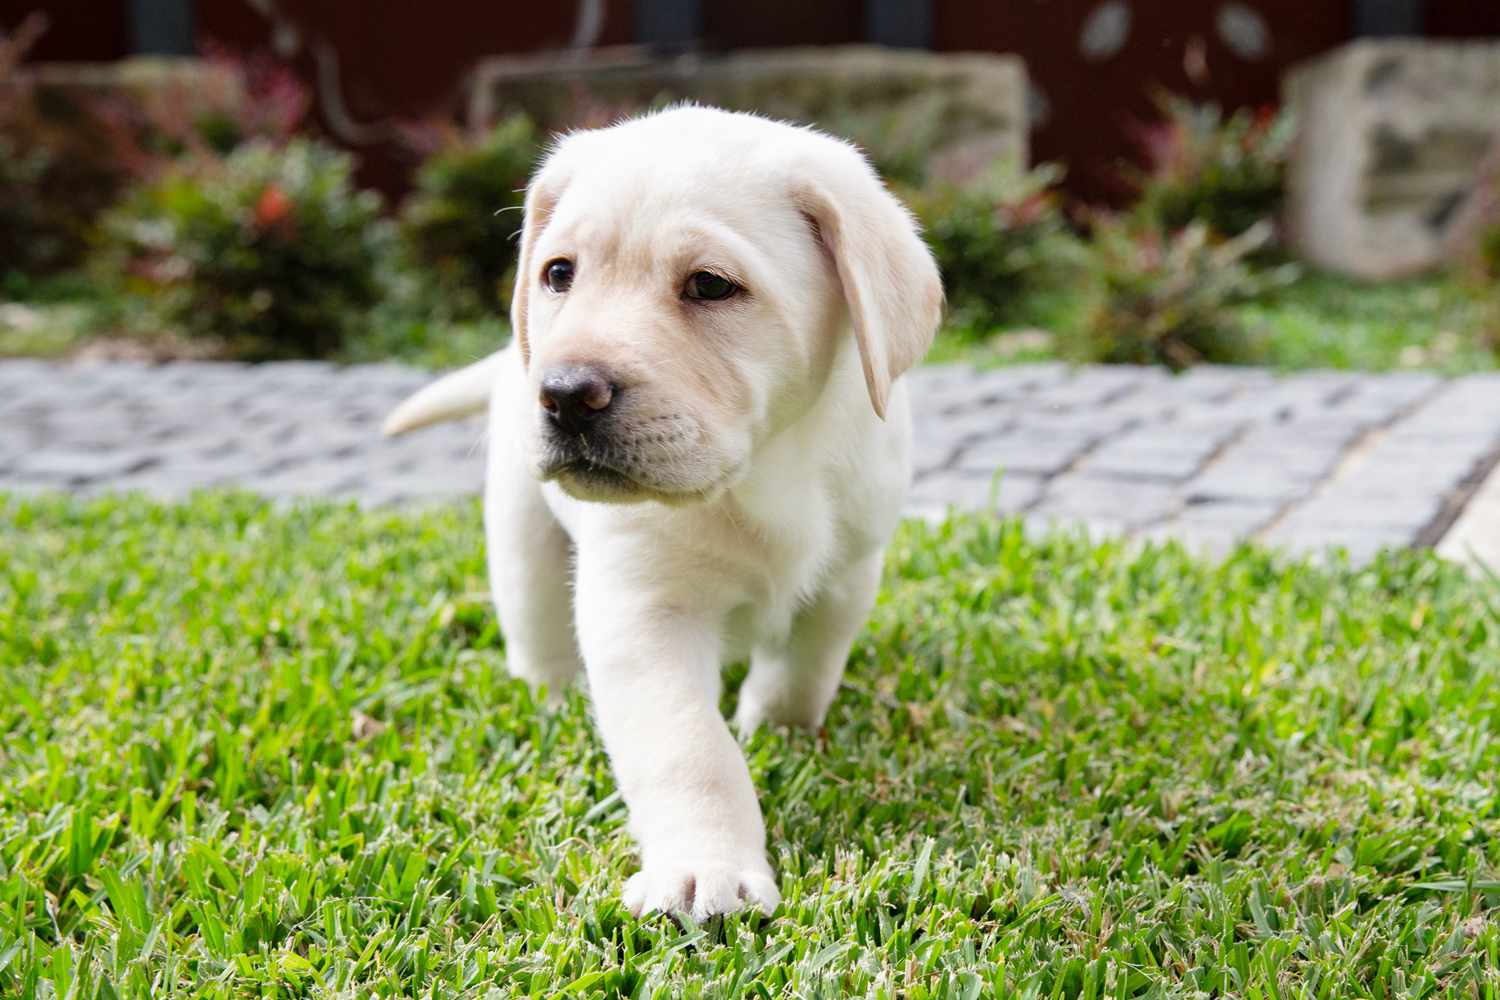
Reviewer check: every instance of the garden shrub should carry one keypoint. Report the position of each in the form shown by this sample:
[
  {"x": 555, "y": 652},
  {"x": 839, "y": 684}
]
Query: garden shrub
[
  {"x": 52, "y": 181},
  {"x": 1166, "y": 298},
  {"x": 1227, "y": 172},
  {"x": 898, "y": 141},
  {"x": 460, "y": 222},
  {"x": 72, "y": 142},
  {"x": 271, "y": 249},
  {"x": 1485, "y": 268},
  {"x": 997, "y": 241}
]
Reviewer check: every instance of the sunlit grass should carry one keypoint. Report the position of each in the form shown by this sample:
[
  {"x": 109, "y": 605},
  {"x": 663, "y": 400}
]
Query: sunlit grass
[{"x": 249, "y": 752}]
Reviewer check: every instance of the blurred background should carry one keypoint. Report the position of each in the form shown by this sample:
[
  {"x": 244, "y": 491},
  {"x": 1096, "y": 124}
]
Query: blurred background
[{"x": 1289, "y": 183}]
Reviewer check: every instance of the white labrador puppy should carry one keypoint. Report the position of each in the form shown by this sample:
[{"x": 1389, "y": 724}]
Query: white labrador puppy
[{"x": 698, "y": 448}]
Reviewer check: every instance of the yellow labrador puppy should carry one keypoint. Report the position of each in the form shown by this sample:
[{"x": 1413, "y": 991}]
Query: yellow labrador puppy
[{"x": 698, "y": 448}]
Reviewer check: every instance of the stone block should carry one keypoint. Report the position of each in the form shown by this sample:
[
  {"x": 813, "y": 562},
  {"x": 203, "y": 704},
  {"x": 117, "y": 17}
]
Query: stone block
[
  {"x": 73, "y": 467},
  {"x": 1242, "y": 517},
  {"x": 1213, "y": 541},
  {"x": 1143, "y": 462},
  {"x": 967, "y": 108},
  {"x": 1028, "y": 453},
  {"x": 1349, "y": 508},
  {"x": 1129, "y": 502},
  {"x": 1008, "y": 494},
  {"x": 1396, "y": 133},
  {"x": 1246, "y": 481},
  {"x": 1360, "y": 542}
]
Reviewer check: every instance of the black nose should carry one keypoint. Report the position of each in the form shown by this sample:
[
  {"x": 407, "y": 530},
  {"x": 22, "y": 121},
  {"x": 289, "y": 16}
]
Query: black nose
[{"x": 576, "y": 395}]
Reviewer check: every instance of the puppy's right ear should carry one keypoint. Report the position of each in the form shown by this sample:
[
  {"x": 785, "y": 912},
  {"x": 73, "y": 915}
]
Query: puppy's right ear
[
  {"x": 889, "y": 280},
  {"x": 541, "y": 200}
]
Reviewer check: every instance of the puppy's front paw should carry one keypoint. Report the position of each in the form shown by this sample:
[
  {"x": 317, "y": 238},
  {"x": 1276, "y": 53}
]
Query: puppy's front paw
[
  {"x": 702, "y": 889},
  {"x": 755, "y": 710}
]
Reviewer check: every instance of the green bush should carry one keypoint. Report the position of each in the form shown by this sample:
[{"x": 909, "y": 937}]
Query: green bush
[
  {"x": 69, "y": 147},
  {"x": 1167, "y": 297},
  {"x": 272, "y": 250},
  {"x": 460, "y": 222},
  {"x": 52, "y": 182},
  {"x": 998, "y": 241},
  {"x": 1487, "y": 265},
  {"x": 898, "y": 141},
  {"x": 1229, "y": 173}
]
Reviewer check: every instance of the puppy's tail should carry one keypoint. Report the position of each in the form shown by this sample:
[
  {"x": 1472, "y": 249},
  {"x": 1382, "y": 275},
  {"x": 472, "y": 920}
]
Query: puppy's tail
[{"x": 455, "y": 395}]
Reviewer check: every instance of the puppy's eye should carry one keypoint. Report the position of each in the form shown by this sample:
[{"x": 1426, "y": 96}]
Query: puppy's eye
[
  {"x": 558, "y": 275},
  {"x": 706, "y": 286}
]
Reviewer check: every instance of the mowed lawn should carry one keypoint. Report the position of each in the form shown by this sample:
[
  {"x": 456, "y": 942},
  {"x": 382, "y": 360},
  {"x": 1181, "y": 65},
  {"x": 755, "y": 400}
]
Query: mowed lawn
[{"x": 250, "y": 752}]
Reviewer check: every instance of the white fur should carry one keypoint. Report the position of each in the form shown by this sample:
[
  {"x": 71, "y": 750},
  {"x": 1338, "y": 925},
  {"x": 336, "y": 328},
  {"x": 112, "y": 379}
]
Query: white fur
[{"x": 765, "y": 482}]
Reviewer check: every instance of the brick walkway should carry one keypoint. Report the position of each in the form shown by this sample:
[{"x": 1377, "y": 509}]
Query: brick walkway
[{"x": 1211, "y": 457}]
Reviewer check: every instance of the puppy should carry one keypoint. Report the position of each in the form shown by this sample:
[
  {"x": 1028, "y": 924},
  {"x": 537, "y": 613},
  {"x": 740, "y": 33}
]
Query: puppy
[{"x": 698, "y": 449}]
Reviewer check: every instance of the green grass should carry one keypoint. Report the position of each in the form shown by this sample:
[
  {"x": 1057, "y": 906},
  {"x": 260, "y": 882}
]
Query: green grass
[
  {"x": 1433, "y": 323},
  {"x": 1323, "y": 321},
  {"x": 247, "y": 753}
]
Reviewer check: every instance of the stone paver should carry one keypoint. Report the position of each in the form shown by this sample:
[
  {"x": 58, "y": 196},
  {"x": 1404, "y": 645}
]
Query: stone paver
[{"x": 1211, "y": 458}]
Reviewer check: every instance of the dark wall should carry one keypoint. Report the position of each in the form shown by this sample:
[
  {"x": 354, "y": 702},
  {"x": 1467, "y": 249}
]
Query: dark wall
[
  {"x": 403, "y": 59},
  {"x": 84, "y": 30},
  {"x": 1092, "y": 75},
  {"x": 1461, "y": 18}
]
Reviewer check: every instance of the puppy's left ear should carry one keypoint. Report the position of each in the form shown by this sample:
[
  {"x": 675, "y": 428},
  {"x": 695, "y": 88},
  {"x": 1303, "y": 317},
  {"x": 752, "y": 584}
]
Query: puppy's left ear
[{"x": 889, "y": 280}]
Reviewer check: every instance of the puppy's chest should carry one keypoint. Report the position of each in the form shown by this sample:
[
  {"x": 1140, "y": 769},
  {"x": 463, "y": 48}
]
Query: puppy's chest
[{"x": 793, "y": 562}]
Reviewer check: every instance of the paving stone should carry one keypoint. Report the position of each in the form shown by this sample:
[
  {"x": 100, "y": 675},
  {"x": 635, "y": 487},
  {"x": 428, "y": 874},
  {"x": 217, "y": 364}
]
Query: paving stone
[
  {"x": 1474, "y": 538},
  {"x": 88, "y": 435},
  {"x": 1361, "y": 542},
  {"x": 19, "y": 487},
  {"x": 1142, "y": 463},
  {"x": 1130, "y": 502},
  {"x": 176, "y": 480},
  {"x": 1212, "y": 540},
  {"x": 1007, "y": 494},
  {"x": 1172, "y": 436},
  {"x": 1300, "y": 460},
  {"x": 75, "y": 466},
  {"x": 1026, "y": 453},
  {"x": 310, "y": 480},
  {"x": 958, "y": 393},
  {"x": 1330, "y": 431},
  {"x": 1241, "y": 517},
  {"x": 1094, "y": 423},
  {"x": 1141, "y": 409},
  {"x": 1205, "y": 383},
  {"x": 1410, "y": 514},
  {"x": 1209, "y": 456},
  {"x": 20, "y": 372},
  {"x": 1381, "y": 397},
  {"x": 947, "y": 431},
  {"x": 1240, "y": 410},
  {"x": 1095, "y": 387},
  {"x": 1396, "y": 469},
  {"x": 1240, "y": 481},
  {"x": 420, "y": 486},
  {"x": 1468, "y": 406},
  {"x": 1040, "y": 525}
]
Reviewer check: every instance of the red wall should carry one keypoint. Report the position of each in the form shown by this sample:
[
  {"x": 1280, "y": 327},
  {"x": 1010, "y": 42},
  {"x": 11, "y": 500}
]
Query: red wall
[
  {"x": 1092, "y": 103},
  {"x": 408, "y": 58}
]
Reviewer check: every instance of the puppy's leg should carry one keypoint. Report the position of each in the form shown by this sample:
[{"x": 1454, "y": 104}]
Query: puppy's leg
[
  {"x": 653, "y": 674},
  {"x": 793, "y": 685},
  {"x": 530, "y": 563}
]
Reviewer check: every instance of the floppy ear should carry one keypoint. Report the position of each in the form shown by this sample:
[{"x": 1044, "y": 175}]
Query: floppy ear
[
  {"x": 541, "y": 199},
  {"x": 889, "y": 280}
]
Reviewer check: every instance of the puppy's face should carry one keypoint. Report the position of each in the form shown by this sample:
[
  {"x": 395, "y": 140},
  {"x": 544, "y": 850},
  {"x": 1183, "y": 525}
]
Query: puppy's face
[{"x": 679, "y": 303}]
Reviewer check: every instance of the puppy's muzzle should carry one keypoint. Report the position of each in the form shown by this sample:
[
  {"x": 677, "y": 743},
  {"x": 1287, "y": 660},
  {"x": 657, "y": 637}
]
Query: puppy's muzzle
[{"x": 577, "y": 398}]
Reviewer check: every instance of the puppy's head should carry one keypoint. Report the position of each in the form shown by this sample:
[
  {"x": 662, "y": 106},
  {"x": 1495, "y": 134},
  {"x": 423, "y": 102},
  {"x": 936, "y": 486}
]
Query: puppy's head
[{"x": 687, "y": 281}]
